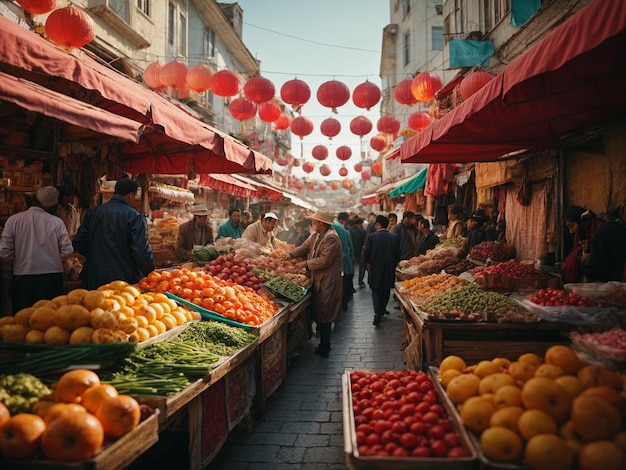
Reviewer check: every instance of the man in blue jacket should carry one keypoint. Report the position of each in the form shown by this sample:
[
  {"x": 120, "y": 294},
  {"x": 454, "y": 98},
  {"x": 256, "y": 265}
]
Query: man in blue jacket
[{"x": 113, "y": 238}]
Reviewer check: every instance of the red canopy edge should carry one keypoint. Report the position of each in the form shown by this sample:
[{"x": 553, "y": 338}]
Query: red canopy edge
[
  {"x": 227, "y": 183},
  {"x": 369, "y": 199}
]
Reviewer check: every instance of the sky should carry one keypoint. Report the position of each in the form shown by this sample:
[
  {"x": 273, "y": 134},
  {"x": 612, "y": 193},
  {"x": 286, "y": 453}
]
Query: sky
[{"x": 317, "y": 41}]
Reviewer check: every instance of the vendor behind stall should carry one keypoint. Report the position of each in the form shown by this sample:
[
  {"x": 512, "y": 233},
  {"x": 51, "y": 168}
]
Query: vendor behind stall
[
  {"x": 607, "y": 257},
  {"x": 262, "y": 231},
  {"x": 194, "y": 232},
  {"x": 232, "y": 227},
  {"x": 476, "y": 233},
  {"x": 582, "y": 224}
]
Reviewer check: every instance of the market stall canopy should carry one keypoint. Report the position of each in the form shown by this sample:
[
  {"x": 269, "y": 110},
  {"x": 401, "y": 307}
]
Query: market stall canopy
[
  {"x": 263, "y": 191},
  {"x": 227, "y": 183},
  {"x": 369, "y": 199},
  {"x": 170, "y": 131},
  {"x": 569, "y": 80},
  {"x": 416, "y": 182}
]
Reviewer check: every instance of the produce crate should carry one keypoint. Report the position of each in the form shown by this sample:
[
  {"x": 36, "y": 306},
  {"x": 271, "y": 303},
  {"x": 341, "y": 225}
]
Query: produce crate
[{"x": 358, "y": 462}]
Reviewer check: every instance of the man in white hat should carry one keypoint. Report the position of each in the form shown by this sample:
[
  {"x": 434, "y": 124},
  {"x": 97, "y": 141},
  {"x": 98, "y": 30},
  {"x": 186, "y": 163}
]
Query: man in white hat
[
  {"x": 262, "y": 231},
  {"x": 36, "y": 243},
  {"x": 196, "y": 231}
]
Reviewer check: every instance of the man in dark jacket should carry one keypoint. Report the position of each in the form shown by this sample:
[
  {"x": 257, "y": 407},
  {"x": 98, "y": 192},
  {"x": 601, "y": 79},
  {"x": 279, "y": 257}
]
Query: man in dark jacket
[
  {"x": 114, "y": 240},
  {"x": 381, "y": 254},
  {"x": 407, "y": 237},
  {"x": 607, "y": 259},
  {"x": 427, "y": 239},
  {"x": 358, "y": 234}
]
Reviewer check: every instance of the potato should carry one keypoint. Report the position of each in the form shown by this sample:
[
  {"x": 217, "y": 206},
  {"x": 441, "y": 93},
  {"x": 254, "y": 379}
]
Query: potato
[
  {"x": 71, "y": 316},
  {"x": 57, "y": 336},
  {"x": 10, "y": 320},
  {"x": 99, "y": 318},
  {"x": 103, "y": 335},
  {"x": 42, "y": 318},
  {"x": 13, "y": 333},
  {"x": 93, "y": 299},
  {"x": 81, "y": 335},
  {"x": 23, "y": 316},
  {"x": 34, "y": 336},
  {"x": 76, "y": 296}
]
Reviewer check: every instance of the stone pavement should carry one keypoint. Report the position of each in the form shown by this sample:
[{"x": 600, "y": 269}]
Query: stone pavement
[{"x": 302, "y": 426}]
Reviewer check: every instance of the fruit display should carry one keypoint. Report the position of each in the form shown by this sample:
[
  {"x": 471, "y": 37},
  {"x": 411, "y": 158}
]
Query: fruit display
[
  {"x": 605, "y": 347},
  {"x": 461, "y": 266},
  {"x": 545, "y": 412},
  {"x": 433, "y": 262},
  {"x": 493, "y": 251},
  {"x": 398, "y": 415},
  {"x": 236, "y": 269}
]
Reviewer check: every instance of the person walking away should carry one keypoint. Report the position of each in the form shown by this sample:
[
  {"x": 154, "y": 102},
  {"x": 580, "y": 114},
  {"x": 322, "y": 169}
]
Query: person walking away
[
  {"x": 454, "y": 229},
  {"x": 37, "y": 244},
  {"x": 194, "y": 232},
  {"x": 303, "y": 229},
  {"x": 358, "y": 240},
  {"x": 405, "y": 231},
  {"x": 476, "y": 233},
  {"x": 582, "y": 224},
  {"x": 428, "y": 239},
  {"x": 232, "y": 227},
  {"x": 381, "y": 254},
  {"x": 348, "y": 256},
  {"x": 113, "y": 238},
  {"x": 67, "y": 208},
  {"x": 323, "y": 262},
  {"x": 262, "y": 231},
  {"x": 607, "y": 257}
]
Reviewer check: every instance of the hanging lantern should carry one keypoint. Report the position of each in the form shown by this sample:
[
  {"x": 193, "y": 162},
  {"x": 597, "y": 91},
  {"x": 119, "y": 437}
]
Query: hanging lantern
[
  {"x": 151, "y": 75},
  {"x": 283, "y": 122},
  {"x": 322, "y": 187},
  {"x": 388, "y": 124},
  {"x": 38, "y": 7},
  {"x": 366, "y": 95},
  {"x": 330, "y": 127},
  {"x": 173, "y": 74},
  {"x": 346, "y": 184},
  {"x": 360, "y": 126},
  {"x": 474, "y": 82},
  {"x": 199, "y": 78},
  {"x": 298, "y": 186},
  {"x": 333, "y": 94},
  {"x": 301, "y": 126},
  {"x": 269, "y": 111},
  {"x": 343, "y": 171},
  {"x": 225, "y": 83},
  {"x": 377, "y": 169},
  {"x": 334, "y": 186},
  {"x": 402, "y": 93},
  {"x": 324, "y": 171},
  {"x": 242, "y": 109},
  {"x": 259, "y": 89},
  {"x": 295, "y": 92},
  {"x": 358, "y": 167},
  {"x": 419, "y": 121},
  {"x": 70, "y": 27},
  {"x": 378, "y": 142},
  {"x": 366, "y": 175},
  {"x": 343, "y": 153},
  {"x": 308, "y": 167},
  {"x": 311, "y": 185},
  {"x": 320, "y": 152},
  {"x": 425, "y": 85}
]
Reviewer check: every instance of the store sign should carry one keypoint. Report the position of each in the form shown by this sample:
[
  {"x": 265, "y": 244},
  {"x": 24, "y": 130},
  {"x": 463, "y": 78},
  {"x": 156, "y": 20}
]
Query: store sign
[{"x": 467, "y": 53}]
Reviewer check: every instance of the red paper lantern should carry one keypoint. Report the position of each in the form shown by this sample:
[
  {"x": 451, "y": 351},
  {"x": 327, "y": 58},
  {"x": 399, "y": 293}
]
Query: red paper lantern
[
  {"x": 322, "y": 187},
  {"x": 343, "y": 171},
  {"x": 377, "y": 169},
  {"x": 173, "y": 74},
  {"x": 283, "y": 122},
  {"x": 295, "y": 92},
  {"x": 333, "y": 94},
  {"x": 225, "y": 83},
  {"x": 425, "y": 85},
  {"x": 308, "y": 167},
  {"x": 269, "y": 111},
  {"x": 299, "y": 186},
  {"x": 38, "y": 7},
  {"x": 324, "y": 171},
  {"x": 330, "y": 127},
  {"x": 360, "y": 126},
  {"x": 366, "y": 175},
  {"x": 199, "y": 78},
  {"x": 388, "y": 124},
  {"x": 419, "y": 121},
  {"x": 242, "y": 109},
  {"x": 346, "y": 184},
  {"x": 402, "y": 93},
  {"x": 334, "y": 185},
  {"x": 474, "y": 82},
  {"x": 320, "y": 152},
  {"x": 343, "y": 153},
  {"x": 311, "y": 185},
  {"x": 259, "y": 89},
  {"x": 378, "y": 142},
  {"x": 151, "y": 75},
  {"x": 358, "y": 167},
  {"x": 366, "y": 95},
  {"x": 70, "y": 27},
  {"x": 301, "y": 126}
]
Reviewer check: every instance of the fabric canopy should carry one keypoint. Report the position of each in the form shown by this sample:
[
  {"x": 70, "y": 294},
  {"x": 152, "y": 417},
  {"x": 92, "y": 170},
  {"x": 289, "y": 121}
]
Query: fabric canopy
[
  {"x": 169, "y": 128},
  {"x": 263, "y": 191},
  {"x": 415, "y": 183},
  {"x": 569, "y": 80},
  {"x": 227, "y": 183},
  {"x": 36, "y": 98},
  {"x": 369, "y": 199}
]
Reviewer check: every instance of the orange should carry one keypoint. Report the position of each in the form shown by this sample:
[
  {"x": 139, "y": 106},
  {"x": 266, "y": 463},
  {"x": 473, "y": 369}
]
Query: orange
[
  {"x": 493, "y": 382},
  {"x": 592, "y": 376},
  {"x": 452, "y": 362},
  {"x": 485, "y": 368},
  {"x": 595, "y": 418},
  {"x": 476, "y": 413},
  {"x": 564, "y": 357},
  {"x": 448, "y": 375},
  {"x": 72, "y": 437},
  {"x": 549, "y": 370},
  {"x": 522, "y": 370},
  {"x": 502, "y": 362},
  {"x": 119, "y": 415},
  {"x": 507, "y": 395},
  {"x": 4, "y": 414},
  {"x": 93, "y": 397},
  {"x": 547, "y": 395},
  {"x": 462, "y": 387},
  {"x": 604, "y": 455},
  {"x": 571, "y": 384},
  {"x": 73, "y": 384},
  {"x": 20, "y": 436},
  {"x": 506, "y": 417},
  {"x": 501, "y": 445},
  {"x": 534, "y": 422},
  {"x": 548, "y": 452},
  {"x": 62, "y": 409},
  {"x": 531, "y": 358}
]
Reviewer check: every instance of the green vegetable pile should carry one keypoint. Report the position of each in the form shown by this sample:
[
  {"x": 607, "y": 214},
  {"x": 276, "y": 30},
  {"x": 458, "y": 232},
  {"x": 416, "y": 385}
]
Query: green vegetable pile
[
  {"x": 470, "y": 298},
  {"x": 264, "y": 273},
  {"x": 19, "y": 392},
  {"x": 220, "y": 338},
  {"x": 285, "y": 288},
  {"x": 205, "y": 254}
]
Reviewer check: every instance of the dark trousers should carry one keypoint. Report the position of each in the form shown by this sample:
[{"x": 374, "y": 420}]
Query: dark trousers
[
  {"x": 28, "y": 289},
  {"x": 324, "y": 331},
  {"x": 361, "y": 273},
  {"x": 348, "y": 290},
  {"x": 380, "y": 298}
]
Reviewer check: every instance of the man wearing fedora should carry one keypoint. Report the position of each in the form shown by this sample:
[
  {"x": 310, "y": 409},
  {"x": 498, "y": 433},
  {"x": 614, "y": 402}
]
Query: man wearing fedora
[
  {"x": 196, "y": 231},
  {"x": 262, "y": 231},
  {"x": 476, "y": 233},
  {"x": 324, "y": 261}
]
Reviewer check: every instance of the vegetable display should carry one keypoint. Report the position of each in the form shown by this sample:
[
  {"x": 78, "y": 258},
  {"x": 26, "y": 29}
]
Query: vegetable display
[
  {"x": 18, "y": 392},
  {"x": 285, "y": 288},
  {"x": 204, "y": 254}
]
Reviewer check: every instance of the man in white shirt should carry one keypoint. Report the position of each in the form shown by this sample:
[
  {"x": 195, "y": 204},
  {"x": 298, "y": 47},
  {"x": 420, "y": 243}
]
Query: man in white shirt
[{"x": 262, "y": 231}]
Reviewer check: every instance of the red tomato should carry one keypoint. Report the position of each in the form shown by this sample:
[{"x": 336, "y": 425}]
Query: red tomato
[
  {"x": 421, "y": 451},
  {"x": 451, "y": 439},
  {"x": 457, "y": 452},
  {"x": 400, "y": 452},
  {"x": 422, "y": 407},
  {"x": 438, "y": 448},
  {"x": 436, "y": 431},
  {"x": 418, "y": 428},
  {"x": 408, "y": 440},
  {"x": 398, "y": 426},
  {"x": 429, "y": 417},
  {"x": 381, "y": 426},
  {"x": 372, "y": 439},
  {"x": 360, "y": 438},
  {"x": 406, "y": 410}
]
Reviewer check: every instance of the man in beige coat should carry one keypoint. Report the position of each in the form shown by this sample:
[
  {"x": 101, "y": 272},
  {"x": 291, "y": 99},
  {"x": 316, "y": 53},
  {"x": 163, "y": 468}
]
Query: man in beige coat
[
  {"x": 323, "y": 262},
  {"x": 262, "y": 231}
]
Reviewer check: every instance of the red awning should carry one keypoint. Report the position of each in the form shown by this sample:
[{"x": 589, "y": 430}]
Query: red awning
[
  {"x": 30, "y": 96},
  {"x": 173, "y": 129},
  {"x": 227, "y": 183},
  {"x": 571, "y": 79},
  {"x": 369, "y": 199}
]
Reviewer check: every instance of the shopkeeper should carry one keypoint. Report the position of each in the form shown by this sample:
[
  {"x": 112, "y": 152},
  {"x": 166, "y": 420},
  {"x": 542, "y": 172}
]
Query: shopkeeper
[
  {"x": 232, "y": 227},
  {"x": 262, "y": 231},
  {"x": 196, "y": 232},
  {"x": 607, "y": 257}
]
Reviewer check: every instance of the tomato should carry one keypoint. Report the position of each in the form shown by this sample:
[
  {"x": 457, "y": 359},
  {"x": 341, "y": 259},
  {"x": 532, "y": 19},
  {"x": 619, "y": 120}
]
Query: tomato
[
  {"x": 381, "y": 426},
  {"x": 422, "y": 407},
  {"x": 436, "y": 408},
  {"x": 390, "y": 447},
  {"x": 418, "y": 428},
  {"x": 377, "y": 386},
  {"x": 372, "y": 439},
  {"x": 438, "y": 448},
  {"x": 412, "y": 387},
  {"x": 406, "y": 410},
  {"x": 400, "y": 452},
  {"x": 394, "y": 383},
  {"x": 421, "y": 451},
  {"x": 457, "y": 452},
  {"x": 408, "y": 420},
  {"x": 408, "y": 440},
  {"x": 355, "y": 388},
  {"x": 414, "y": 397},
  {"x": 364, "y": 428},
  {"x": 436, "y": 431},
  {"x": 360, "y": 437},
  {"x": 377, "y": 414},
  {"x": 451, "y": 439},
  {"x": 398, "y": 426},
  {"x": 430, "y": 417},
  {"x": 387, "y": 436}
]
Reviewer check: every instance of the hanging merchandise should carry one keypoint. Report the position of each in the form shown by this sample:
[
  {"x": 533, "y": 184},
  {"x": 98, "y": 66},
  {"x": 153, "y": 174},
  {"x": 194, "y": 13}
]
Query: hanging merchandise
[
  {"x": 419, "y": 121},
  {"x": 343, "y": 152},
  {"x": 320, "y": 152},
  {"x": 171, "y": 193},
  {"x": 173, "y": 74},
  {"x": 378, "y": 142},
  {"x": 302, "y": 126},
  {"x": 151, "y": 75},
  {"x": 242, "y": 109},
  {"x": 425, "y": 85},
  {"x": 474, "y": 82},
  {"x": 388, "y": 124},
  {"x": 38, "y": 7},
  {"x": 283, "y": 122},
  {"x": 269, "y": 111}
]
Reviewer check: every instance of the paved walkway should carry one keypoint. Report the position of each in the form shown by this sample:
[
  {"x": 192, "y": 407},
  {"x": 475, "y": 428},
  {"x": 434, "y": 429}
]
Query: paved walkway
[{"x": 302, "y": 426}]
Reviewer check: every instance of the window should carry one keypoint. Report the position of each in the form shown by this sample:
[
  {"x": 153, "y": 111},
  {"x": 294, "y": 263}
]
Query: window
[
  {"x": 406, "y": 8},
  {"x": 144, "y": 6},
  {"x": 407, "y": 48},
  {"x": 437, "y": 38},
  {"x": 182, "y": 34},
  {"x": 121, "y": 9},
  {"x": 494, "y": 11},
  {"x": 208, "y": 43},
  {"x": 171, "y": 24}
]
